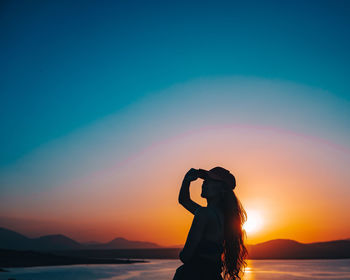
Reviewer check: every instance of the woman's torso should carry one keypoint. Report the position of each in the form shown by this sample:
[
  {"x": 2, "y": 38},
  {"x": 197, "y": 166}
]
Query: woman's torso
[
  {"x": 206, "y": 263},
  {"x": 211, "y": 245}
]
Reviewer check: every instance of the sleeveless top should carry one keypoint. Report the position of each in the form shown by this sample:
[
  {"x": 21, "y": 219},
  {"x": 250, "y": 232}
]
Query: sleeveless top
[
  {"x": 202, "y": 268},
  {"x": 209, "y": 246}
]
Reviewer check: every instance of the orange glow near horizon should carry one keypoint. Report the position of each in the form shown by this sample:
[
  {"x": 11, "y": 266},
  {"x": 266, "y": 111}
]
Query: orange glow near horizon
[{"x": 285, "y": 184}]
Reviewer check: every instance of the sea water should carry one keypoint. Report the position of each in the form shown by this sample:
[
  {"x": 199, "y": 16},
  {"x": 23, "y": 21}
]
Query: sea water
[{"x": 165, "y": 269}]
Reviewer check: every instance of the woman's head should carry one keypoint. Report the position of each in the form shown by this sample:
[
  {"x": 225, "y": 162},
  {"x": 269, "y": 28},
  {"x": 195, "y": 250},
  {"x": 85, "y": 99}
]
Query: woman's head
[
  {"x": 216, "y": 182},
  {"x": 220, "y": 174},
  {"x": 211, "y": 189}
]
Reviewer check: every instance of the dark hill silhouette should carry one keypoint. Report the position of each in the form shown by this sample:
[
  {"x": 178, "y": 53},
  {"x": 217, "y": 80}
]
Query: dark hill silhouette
[
  {"x": 122, "y": 243},
  {"x": 276, "y": 249},
  {"x": 12, "y": 240},
  {"x": 273, "y": 249},
  {"x": 290, "y": 249},
  {"x": 56, "y": 242},
  {"x": 121, "y": 247},
  {"x": 91, "y": 243},
  {"x": 336, "y": 248}
]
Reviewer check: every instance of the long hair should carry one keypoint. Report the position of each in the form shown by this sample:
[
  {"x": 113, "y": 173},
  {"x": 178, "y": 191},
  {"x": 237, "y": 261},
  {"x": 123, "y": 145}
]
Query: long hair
[{"x": 235, "y": 252}]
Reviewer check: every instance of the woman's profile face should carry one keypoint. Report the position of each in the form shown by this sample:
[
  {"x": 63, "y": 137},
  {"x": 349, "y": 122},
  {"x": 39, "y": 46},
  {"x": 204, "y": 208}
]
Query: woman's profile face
[{"x": 210, "y": 188}]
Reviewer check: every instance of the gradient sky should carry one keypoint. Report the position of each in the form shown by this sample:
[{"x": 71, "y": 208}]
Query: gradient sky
[{"x": 105, "y": 105}]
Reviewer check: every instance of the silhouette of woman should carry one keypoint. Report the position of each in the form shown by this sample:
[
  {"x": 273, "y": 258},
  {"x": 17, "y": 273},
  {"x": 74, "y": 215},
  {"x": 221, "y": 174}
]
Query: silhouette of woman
[{"x": 215, "y": 243}]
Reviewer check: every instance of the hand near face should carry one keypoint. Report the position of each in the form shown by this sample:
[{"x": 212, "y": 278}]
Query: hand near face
[{"x": 191, "y": 175}]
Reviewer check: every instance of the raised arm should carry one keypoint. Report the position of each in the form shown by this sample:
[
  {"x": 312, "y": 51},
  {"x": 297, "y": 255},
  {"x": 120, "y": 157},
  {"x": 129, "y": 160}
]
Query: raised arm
[{"x": 184, "y": 195}]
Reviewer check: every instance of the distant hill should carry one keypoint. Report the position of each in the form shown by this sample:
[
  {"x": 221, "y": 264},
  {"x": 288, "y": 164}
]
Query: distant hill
[
  {"x": 56, "y": 242},
  {"x": 91, "y": 243},
  {"x": 290, "y": 249},
  {"x": 122, "y": 243},
  {"x": 273, "y": 249},
  {"x": 12, "y": 240},
  {"x": 121, "y": 247}
]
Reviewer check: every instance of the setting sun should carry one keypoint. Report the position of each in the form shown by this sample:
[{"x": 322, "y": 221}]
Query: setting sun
[{"x": 254, "y": 222}]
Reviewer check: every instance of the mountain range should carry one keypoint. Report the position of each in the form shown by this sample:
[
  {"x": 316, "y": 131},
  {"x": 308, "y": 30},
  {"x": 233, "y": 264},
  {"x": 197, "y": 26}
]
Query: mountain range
[
  {"x": 123, "y": 248},
  {"x": 290, "y": 249},
  {"x": 13, "y": 240}
]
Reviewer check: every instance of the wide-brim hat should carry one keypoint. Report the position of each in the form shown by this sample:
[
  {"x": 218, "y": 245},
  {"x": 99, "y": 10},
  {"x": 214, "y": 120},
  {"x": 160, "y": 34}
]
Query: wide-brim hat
[{"x": 220, "y": 174}]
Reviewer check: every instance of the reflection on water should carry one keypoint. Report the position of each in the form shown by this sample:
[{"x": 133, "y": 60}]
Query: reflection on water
[
  {"x": 297, "y": 269},
  {"x": 165, "y": 269}
]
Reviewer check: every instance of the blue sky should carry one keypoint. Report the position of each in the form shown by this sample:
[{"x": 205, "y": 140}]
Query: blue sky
[{"x": 66, "y": 64}]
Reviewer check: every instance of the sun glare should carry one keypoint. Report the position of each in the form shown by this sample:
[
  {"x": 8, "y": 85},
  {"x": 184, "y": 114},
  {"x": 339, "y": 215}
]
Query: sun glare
[{"x": 254, "y": 222}]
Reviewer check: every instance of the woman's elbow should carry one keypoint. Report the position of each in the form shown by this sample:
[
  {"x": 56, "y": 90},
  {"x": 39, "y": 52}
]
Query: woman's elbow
[{"x": 182, "y": 201}]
